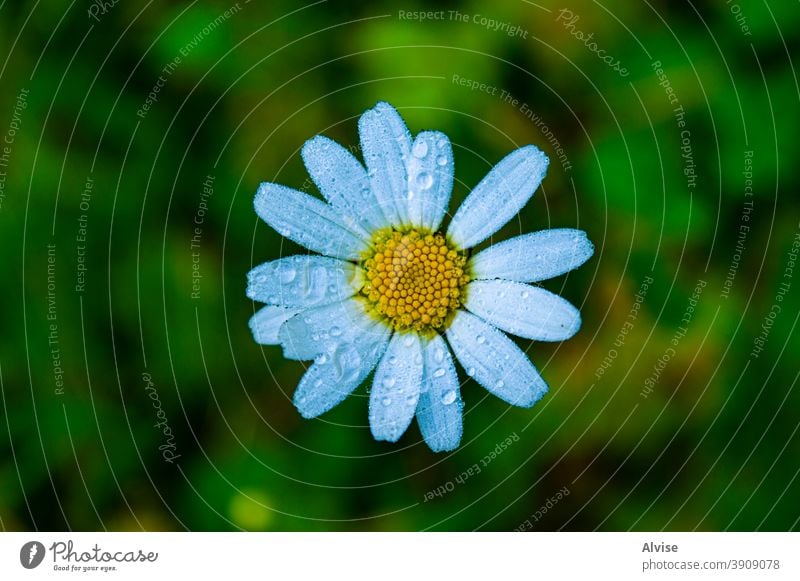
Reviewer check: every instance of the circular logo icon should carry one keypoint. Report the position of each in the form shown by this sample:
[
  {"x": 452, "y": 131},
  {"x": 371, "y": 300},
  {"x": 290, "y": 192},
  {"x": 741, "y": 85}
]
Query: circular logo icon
[{"x": 31, "y": 554}]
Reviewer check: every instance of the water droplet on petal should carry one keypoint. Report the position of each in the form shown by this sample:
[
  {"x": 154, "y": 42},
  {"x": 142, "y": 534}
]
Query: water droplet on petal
[
  {"x": 420, "y": 149},
  {"x": 389, "y": 382},
  {"x": 439, "y": 372},
  {"x": 408, "y": 341},
  {"x": 411, "y": 400},
  {"x": 500, "y": 384},
  {"x": 335, "y": 331},
  {"x": 424, "y": 180},
  {"x": 322, "y": 359},
  {"x": 386, "y": 401},
  {"x": 317, "y": 383},
  {"x": 471, "y": 371},
  {"x": 438, "y": 355},
  {"x": 441, "y": 160},
  {"x": 480, "y": 339},
  {"x": 525, "y": 294},
  {"x": 449, "y": 397},
  {"x": 286, "y": 273}
]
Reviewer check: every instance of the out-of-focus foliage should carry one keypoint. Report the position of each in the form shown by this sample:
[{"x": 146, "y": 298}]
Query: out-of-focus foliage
[{"x": 715, "y": 445}]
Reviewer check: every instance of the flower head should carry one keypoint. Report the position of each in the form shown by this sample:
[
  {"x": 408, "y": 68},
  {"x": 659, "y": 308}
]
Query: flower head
[{"x": 393, "y": 292}]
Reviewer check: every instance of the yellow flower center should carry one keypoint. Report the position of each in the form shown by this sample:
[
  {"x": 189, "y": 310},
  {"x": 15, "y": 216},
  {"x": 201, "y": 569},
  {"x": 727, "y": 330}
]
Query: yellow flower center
[{"x": 413, "y": 279}]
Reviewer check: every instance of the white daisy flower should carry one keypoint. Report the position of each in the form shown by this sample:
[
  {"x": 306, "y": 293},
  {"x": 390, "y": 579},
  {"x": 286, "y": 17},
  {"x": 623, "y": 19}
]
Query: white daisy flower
[{"x": 393, "y": 291}]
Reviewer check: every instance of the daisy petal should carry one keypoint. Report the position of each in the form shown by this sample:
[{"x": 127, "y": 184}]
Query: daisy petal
[
  {"x": 395, "y": 389},
  {"x": 266, "y": 322},
  {"x": 523, "y": 310},
  {"x": 335, "y": 375},
  {"x": 308, "y": 221},
  {"x": 499, "y": 196},
  {"x": 533, "y": 257},
  {"x": 439, "y": 412},
  {"x": 494, "y": 361},
  {"x": 430, "y": 179},
  {"x": 319, "y": 330},
  {"x": 343, "y": 181},
  {"x": 386, "y": 143},
  {"x": 303, "y": 281}
]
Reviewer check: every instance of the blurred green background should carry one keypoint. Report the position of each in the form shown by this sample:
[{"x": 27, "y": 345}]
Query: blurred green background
[{"x": 102, "y": 189}]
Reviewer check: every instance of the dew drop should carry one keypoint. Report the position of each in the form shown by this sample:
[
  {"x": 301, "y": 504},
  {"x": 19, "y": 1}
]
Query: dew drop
[
  {"x": 261, "y": 278},
  {"x": 438, "y": 355},
  {"x": 525, "y": 294},
  {"x": 408, "y": 341},
  {"x": 335, "y": 331},
  {"x": 480, "y": 339},
  {"x": 439, "y": 372},
  {"x": 420, "y": 149},
  {"x": 411, "y": 400},
  {"x": 317, "y": 383},
  {"x": 389, "y": 382},
  {"x": 424, "y": 180},
  {"x": 286, "y": 274},
  {"x": 392, "y": 360},
  {"x": 471, "y": 371},
  {"x": 386, "y": 401},
  {"x": 449, "y": 397},
  {"x": 500, "y": 384},
  {"x": 321, "y": 359},
  {"x": 441, "y": 160}
]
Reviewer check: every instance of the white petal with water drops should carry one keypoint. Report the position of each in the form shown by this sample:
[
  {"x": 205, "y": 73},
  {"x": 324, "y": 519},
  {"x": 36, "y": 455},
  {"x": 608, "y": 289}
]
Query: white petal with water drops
[
  {"x": 395, "y": 388},
  {"x": 439, "y": 412},
  {"x": 335, "y": 375},
  {"x": 430, "y": 179},
  {"x": 267, "y": 321},
  {"x": 318, "y": 330},
  {"x": 496, "y": 362},
  {"x": 308, "y": 221},
  {"x": 533, "y": 257},
  {"x": 498, "y": 197},
  {"x": 344, "y": 182},
  {"x": 386, "y": 144},
  {"x": 304, "y": 281},
  {"x": 523, "y": 310}
]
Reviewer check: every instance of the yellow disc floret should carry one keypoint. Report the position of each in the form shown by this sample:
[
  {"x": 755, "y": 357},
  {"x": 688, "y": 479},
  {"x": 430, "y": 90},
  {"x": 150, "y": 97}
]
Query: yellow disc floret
[{"x": 414, "y": 279}]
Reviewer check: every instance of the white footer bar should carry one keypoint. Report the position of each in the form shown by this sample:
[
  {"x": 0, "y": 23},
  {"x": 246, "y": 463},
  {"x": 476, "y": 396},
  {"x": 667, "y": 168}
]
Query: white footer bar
[{"x": 406, "y": 556}]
